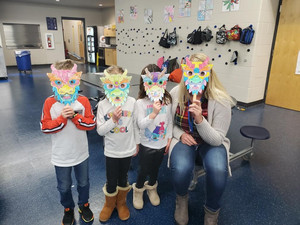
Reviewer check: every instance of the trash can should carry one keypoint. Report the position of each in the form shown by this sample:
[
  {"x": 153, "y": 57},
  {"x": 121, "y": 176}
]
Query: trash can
[{"x": 23, "y": 60}]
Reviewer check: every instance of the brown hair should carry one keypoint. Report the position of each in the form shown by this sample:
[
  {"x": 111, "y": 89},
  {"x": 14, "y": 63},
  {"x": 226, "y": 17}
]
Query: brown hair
[
  {"x": 115, "y": 70},
  {"x": 64, "y": 64},
  {"x": 142, "y": 93}
]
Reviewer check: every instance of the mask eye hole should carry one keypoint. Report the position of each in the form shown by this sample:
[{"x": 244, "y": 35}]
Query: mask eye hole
[
  {"x": 190, "y": 73},
  {"x": 58, "y": 82},
  {"x": 110, "y": 86},
  {"x": 123, "y": 85},
  {"x": 160, "y": 82},
  {"x": 150, "y": 82},
  {"x": 72, "y": 82},
  {"x": 203, "y": 73}
]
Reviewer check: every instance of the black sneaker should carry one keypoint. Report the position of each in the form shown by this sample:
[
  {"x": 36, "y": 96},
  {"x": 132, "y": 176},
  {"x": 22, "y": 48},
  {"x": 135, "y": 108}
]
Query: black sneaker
[
  {"x": 86, "y": 213},
  {"x": 68, "y": 217}
]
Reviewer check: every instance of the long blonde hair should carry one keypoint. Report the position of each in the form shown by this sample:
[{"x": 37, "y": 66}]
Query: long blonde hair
[{"x": 214, "y": 89}]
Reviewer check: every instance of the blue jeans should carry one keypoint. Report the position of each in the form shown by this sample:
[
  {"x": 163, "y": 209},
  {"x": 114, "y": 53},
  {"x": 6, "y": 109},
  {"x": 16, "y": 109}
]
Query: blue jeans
[
  {"x": 214, "y": 159},
  {"x": 64, "y": 183}
]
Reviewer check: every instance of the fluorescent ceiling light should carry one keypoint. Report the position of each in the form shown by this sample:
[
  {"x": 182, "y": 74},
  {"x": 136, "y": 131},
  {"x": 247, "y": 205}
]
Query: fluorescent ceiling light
[{"x": 100, "y": 5}]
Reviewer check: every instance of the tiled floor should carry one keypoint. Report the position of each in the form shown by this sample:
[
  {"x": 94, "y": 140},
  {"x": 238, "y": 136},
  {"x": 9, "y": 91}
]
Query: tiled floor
[{"x": 264, "y": 191}]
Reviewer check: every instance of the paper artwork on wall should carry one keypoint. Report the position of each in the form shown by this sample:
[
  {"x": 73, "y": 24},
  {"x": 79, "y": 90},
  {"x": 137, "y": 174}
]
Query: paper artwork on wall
[
  {"x": 205, "y": 10},
  {"x": 169, "y": 13},
  {"x": 230, "y": 5},
  {"x": 209, "y": 4},
  {"x": 148, "y": 16},
  {"x": 185, "y": 8},
  {"x": 121, "y": 16},
  {"x": 201, "y": 15},
  {"x": 133, "y": 12}
]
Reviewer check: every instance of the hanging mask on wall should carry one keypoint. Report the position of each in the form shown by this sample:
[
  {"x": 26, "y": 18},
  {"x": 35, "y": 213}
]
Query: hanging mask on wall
[
  {"x": 65, "y": 84},
  {"x": 155, "y": 84},
  {"x": 116, "y": 87},
  {"x": 196, "y": 75}
]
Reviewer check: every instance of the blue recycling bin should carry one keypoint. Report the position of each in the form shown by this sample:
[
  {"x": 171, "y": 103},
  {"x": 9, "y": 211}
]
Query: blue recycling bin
[{"x": 23, "y": 60}]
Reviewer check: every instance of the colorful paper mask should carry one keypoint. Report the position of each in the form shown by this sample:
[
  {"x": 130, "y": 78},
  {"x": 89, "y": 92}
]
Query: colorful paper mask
[
  {"x": 65, "y": 84},
  {"x": 116, "y": 87},
  {"x": 155, "y": 84},
  {"x": 196, "y": 75}
]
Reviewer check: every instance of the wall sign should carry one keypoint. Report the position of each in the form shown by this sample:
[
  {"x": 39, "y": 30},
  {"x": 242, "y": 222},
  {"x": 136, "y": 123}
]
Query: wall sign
[{"x": 51, "y": 23}]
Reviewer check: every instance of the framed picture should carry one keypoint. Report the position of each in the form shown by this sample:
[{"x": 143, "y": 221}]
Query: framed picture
[
  {"x": 49, "y": 41},
  {"x": 51, "y": 23}
]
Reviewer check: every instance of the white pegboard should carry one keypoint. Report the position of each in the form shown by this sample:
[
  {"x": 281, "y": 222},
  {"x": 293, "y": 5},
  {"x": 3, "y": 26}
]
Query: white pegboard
[{"x": 137, "y": 42}]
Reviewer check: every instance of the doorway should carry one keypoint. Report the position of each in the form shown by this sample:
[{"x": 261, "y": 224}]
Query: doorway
[
  {"x": 74, "y": 39},
  {"x": 283, "y": 86}
]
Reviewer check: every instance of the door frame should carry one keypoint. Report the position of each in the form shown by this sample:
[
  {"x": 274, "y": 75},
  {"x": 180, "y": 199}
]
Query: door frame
[
  {"x": 272, "y": 49},
  {"x": 84, "y": 32}
]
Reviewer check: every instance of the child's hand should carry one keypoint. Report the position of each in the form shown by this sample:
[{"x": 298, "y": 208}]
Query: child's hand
[
  {"x": 117, "y": 114},
  {"x": 168, "y": 146},
  {"x": 67, "y": 112},
  {"x": 196, "y": 111},
  {"x": 156, "y": 109},
  {"x": 137, "y": 150}
]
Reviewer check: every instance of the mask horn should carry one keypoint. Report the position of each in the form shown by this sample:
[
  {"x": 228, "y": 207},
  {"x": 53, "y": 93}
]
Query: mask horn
[
  {"x": 148, "y": 74},
  {"x": 189, "y": 63},
  {"x": 53, "y": 69},
  {"x": 204, "y": 63},
  {"x": 74, "y": 69}
]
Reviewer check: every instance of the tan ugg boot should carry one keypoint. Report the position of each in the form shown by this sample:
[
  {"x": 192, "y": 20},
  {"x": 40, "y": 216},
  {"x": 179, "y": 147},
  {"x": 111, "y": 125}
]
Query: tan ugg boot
[
  {"x": 122, "y": 208},
  {"x": 211, "y": 218},
  {"x": 138, "y": 201},
  {"x": 152, "y": 193},
  {"x": 109, "y": 205},
  {"x": 181, "y": 211}
]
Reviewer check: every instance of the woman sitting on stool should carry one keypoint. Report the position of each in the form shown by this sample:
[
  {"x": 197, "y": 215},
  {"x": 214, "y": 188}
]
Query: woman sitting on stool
[{"x": 202, "y": 111}]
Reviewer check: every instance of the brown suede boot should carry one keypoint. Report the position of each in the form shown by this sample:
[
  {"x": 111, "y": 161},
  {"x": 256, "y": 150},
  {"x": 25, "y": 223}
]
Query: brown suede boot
[
  {"x": 122, "y": 208},
  {"x": 109, "y": 205},
  {"x": 211, "y": 218},
  {"x": 181, "y": 211}
]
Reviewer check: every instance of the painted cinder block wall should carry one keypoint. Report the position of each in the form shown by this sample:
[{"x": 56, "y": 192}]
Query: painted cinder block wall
[{"x": 138, "y": 42}]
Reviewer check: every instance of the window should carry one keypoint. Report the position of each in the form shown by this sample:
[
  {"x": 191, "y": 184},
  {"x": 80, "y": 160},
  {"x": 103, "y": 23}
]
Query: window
[{"x": 22, "y": 36}]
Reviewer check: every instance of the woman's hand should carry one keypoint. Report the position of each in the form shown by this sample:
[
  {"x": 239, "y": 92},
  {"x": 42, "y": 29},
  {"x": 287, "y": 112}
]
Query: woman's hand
[
  {"x": 187, "y": 139},
  {"x": 156, "y": 109},
  {"x": 168, "y": 146},
  {"x": 196, "y": 111},
  {"x": 117, "y": 114},
  {"x": 67, "y": 112}
]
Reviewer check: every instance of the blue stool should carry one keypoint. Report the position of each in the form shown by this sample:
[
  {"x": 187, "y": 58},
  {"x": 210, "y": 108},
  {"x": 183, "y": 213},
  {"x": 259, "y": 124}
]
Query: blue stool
[{"x": 252, "y": 132}]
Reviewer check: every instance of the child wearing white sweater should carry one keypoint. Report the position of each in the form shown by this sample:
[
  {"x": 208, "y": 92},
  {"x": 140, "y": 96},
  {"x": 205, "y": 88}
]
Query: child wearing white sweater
[
  {"x": 115, "y": 121},
  {"x": 155, "y": 123}
]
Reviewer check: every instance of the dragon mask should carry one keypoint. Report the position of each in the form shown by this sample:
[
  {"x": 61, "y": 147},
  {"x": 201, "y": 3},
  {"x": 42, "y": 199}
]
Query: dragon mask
[
  {"x": 116, "y": 87},
  {"x": 196, "y": 75},
  {"x": 155, "y": 84},
  {"x": 65, "y": 84}
]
